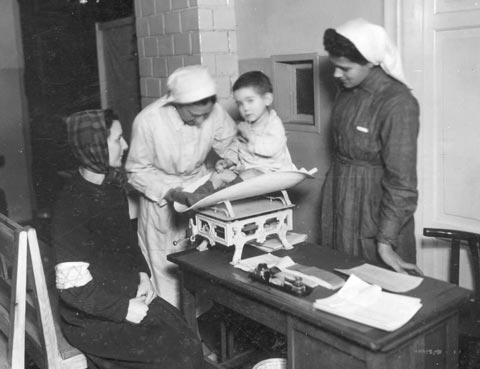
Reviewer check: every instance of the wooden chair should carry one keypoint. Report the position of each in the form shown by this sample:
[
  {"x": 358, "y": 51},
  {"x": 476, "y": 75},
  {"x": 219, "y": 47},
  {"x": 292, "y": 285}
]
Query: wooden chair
[
  {"x": 27, "y": 317},
  {"x": 469, "y": 327}
]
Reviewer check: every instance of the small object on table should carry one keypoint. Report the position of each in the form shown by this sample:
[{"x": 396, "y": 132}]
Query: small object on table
[{"x": 277, "y": 279}]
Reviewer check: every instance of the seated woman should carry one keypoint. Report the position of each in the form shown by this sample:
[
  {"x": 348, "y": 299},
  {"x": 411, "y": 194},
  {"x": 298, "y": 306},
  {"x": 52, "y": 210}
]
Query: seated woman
[{"x": 108, "y": 306}]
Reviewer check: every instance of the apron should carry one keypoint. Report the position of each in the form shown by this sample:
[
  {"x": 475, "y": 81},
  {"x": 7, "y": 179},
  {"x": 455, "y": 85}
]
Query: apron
[{"x": 162, "y": 231}]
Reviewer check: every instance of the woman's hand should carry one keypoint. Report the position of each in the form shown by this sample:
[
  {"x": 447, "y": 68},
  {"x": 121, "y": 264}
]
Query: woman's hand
[
  {"x": 392, "y": 259},
  {"x": 145, "y": 288},
  {"x": 137, "y": 310}
]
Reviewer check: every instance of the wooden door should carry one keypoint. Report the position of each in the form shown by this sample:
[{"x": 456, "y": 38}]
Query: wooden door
[
  {"x": 118, "y": 69},
  {"x": 440, "y": 45}
]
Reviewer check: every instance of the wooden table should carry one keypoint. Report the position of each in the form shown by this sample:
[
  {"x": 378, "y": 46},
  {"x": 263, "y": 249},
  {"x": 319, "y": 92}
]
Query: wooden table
[{"x": 317, "y": 339}]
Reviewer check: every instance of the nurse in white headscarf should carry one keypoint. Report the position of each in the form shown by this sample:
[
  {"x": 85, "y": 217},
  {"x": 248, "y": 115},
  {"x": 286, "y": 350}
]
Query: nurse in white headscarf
[
  {"x": 170, "y": 141},
  {"x": 370, "y": 192}
]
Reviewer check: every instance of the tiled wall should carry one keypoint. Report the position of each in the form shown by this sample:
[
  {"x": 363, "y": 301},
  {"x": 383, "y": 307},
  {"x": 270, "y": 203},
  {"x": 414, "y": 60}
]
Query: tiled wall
[{"x": 176, "y": 33}]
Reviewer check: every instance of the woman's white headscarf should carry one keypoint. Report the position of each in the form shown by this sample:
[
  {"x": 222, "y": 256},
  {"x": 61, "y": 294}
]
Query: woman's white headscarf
[
  {"x": 190, "y": 84},
  {"x": 374, "y": 44}
]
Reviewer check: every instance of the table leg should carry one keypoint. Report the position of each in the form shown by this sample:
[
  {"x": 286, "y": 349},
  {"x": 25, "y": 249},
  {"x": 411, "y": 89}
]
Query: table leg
[
  {"x": 223, "y": 341},
  {"x": 290, "y": 343},
  {"x": 452, "y": 342},
  {"x": 189, "y": 303}
]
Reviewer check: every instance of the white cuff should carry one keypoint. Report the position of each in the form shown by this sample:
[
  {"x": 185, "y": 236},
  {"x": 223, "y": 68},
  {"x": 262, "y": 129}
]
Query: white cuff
[{"x": 72, "y": 274}]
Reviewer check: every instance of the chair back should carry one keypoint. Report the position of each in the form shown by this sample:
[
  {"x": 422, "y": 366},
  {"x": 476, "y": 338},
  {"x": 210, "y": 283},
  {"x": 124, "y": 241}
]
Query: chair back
[
  {"x": 456, "y": 237},
  {"x": 26, "y": 315}
]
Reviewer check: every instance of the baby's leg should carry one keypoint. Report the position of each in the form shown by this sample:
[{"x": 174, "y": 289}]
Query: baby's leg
[
  {"x": 216, "y": 182},
  {"x": 191, "y": 198}
]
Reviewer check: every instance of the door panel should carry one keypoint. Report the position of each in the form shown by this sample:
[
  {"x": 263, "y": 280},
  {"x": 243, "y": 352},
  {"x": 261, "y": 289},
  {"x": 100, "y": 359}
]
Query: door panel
[
  {"x": 440, "y": 43},
  {"x": 444, "y": 6},
  {"x": 118, "y": 69},
  {"x": 458, "y": 80}
]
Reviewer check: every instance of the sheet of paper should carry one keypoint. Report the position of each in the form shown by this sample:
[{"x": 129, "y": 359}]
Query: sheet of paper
[
  {"x": 368, "y": 304},
  {"x": 318, "y": 276},
  {"x": 273, "y": 243},
  {"x": 387, "y": 279}
]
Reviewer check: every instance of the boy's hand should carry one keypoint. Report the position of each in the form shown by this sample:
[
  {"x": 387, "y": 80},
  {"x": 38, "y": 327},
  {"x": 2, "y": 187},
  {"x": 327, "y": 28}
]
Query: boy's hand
[{"x": 223, "y": 164}]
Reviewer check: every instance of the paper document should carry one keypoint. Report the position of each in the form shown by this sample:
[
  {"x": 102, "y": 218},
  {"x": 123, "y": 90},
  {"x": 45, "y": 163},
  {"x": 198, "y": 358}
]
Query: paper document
[
  {"x": 368, "y": 304},
  {"x": 311, "y": 276},
  {"x": 318, "y": 276},
  {"x": 387, "y": 279},
  {"x": 249, "y": 264},
  {"x": 272, "y": 243}
]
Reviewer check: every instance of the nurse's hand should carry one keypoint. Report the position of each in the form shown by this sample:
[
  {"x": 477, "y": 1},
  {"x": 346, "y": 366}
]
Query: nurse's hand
[
  {"x": 223, "y": 164},
  {"x": 137, "y": 310},
  {"x": 392, "y": 259},
  {"x": 145, "y": 288}
]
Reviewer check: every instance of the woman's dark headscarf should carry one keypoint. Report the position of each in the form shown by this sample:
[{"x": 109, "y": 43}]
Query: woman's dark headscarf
[{"x": 87, "y": 135}]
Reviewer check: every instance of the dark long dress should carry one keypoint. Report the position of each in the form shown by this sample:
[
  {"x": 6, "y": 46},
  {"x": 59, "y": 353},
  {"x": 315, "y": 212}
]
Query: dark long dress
[
  {"x": 91, "y": 224},
  {"x": 370, "y": 192}
]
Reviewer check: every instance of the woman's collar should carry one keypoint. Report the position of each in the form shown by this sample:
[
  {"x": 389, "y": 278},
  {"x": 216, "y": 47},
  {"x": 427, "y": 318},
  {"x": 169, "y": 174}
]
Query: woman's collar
[
  {"x": 375, "y": 79},
  {"x": 88, "y": 175}
]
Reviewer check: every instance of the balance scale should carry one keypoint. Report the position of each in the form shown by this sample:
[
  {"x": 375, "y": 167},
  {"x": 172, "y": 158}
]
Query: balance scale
[
  {"x": 234, "y": 223},
  {"x": 250, "y": 210}
]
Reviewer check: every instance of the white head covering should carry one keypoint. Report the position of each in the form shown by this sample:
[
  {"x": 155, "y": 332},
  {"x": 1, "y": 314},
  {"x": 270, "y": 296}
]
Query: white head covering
[
  {"x": 190, "y": 84},
  {"x": 374, "y": 44}
]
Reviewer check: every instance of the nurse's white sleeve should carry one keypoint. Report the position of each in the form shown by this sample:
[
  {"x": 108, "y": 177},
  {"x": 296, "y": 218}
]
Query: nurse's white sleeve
[
  {"x": 225, "y": 132},
  {"x": 142, "y": 173}
]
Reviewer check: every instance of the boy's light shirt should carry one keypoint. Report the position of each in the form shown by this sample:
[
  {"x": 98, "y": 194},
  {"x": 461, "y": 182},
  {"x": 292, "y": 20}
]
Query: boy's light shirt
[{"x": 266, "y": 148}]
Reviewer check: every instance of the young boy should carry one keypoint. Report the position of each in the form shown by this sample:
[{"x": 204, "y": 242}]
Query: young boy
[
  {"x": 260, "y": 145},
  {"x": 261, "y": 142}
]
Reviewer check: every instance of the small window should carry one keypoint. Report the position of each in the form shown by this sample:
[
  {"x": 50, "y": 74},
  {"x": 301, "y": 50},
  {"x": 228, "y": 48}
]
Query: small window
[{"x": 296, "y": 90}]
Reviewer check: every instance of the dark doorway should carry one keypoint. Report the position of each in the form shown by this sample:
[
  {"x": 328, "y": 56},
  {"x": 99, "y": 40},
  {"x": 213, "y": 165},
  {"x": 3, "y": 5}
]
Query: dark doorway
[{"x": 61, "y": 77}]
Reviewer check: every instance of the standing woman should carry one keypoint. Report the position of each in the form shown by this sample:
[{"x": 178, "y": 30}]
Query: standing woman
[
  {"x": 370, "y": 192},
  {"x": 171, "y": 139},
  {"x": 108, "y": 305}
]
